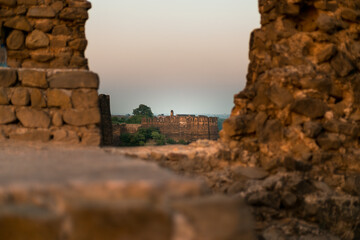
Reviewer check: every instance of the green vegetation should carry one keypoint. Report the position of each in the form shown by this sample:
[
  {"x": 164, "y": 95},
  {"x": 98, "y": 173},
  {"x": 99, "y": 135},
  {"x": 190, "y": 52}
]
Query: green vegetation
[
  {"x": 139, "y": 113},
  {"x": 142, "y": 137}
]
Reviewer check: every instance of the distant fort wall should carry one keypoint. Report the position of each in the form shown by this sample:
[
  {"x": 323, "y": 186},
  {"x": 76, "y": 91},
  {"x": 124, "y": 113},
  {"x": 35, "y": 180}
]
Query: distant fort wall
[{"x": 185, "y": 127}]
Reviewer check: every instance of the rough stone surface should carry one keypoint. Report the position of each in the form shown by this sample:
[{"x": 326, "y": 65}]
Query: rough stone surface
[
  {"x": 37, "y": 39},
  {"x": 30, "y": 78},
  {"x": 15, "y": 40},
  {"x": 59, "y": 98},
  {"x": 73, "y": 80},
  {"x": 7, "y": 115},
  {"x": 32, "y": 24},
  {"x": 94, "y": 194},
  {"x": 20, "y": 97},
  {"x": 77, "y": 117},
  {"x": 8, "y": 77},
  {"x": 33, "y": 118}
]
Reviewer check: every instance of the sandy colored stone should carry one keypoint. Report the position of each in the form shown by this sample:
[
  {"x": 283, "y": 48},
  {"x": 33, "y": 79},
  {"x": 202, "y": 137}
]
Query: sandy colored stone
[
  {"x": 4, "y": 99},
  {"x": 8, "y": 77},
  {"x": 65, "y": 136},
  {"x": 8, "y": 2},
  {"x": 31, "y": 78},
  {"x": 7, "y": 115},
  {"x": 42, "y": 55},
  {"x": 57, "y": 120},
  {"x": 44, "y": 25},
  {"x": 78, "y": 117},
  {"x": 17, "y": 221},
  {"x": 78, "y": 44},
  {"x": 57, "y": 6},
  {"x": 59, "y": 98},
  {"x": 61, "y": 30},
  {"x": 74, "y": 14},
  {"x": 41, "y": 12},
  {"x": 91, "y": 139},
  {"x": 31, "y": 135},
  {"x": 34, "y": 64},
  {"x": 27, "y": 2},
  {"x": 75, "y": 79},
  {"x": 78, "y": 62},
  {"x": 19, "y": 23},
  {"x": 20, "y": 97},
  {"x": 15, "y": 40},
  {"x": 37, "y": 98},
  {"x": 83, "y": 99},
  {"x": 37, "y": 39},
  {"x": 309, "y": 107},
  {"x": 33, "y": 118}
]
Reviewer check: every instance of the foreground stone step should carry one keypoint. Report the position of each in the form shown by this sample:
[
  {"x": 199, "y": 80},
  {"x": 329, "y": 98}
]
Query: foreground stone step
[{"x": 52, "y": 192}]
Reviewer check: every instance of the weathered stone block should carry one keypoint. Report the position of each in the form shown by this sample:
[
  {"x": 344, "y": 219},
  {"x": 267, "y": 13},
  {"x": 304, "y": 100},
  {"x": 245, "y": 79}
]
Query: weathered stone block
[
  {"x": 20, "y": 97},
  {"x": 74, "y": 14},
  {"x": 44, "y": 25},
  {"x": 85, "y": 99},
  {"x": 125, "y": 218},
  {"x": 4, "y": 99},
  {"x": 78, "y": 117},
  {"x": 28, "y": 222},
  {"x": 61, "y": 30},
  {"x": 342, "y": 64},
  {"x": 279, "y": 96},
  {"x": 42, "y": 55},
  {"x": 8, "y": 2},
  {"x": 41, "y": 12},
  {"x": 78, "y": 44},
  {"x": 19, "y": 23},
  {"x": 310, "y": 107},
  {"x": 57, "y": 119},
  {"x": 65, "y": 136},
  {"x": 32, "y": 135},
  {"x": 33, "y": 118},
  {"x": 73, "y": 80},
  {"x": 91, "y": 138},
  {"x": 329, "y": 141},
  {"x": 8, "y": 77},
  {"x": 7, "y": 115},
  {"x": 37, "y": 39},
  {"x": 37, "y": 98},
  {"x": 31, "y": 78},
  {"x": 202, "y": 216},
  {"x": 27, "y": 2},
  {"x": 15, "y": 40},
  {"x": 59, "y": 98}
]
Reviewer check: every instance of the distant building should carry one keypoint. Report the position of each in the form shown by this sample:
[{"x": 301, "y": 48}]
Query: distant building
[{"x": 184, "y": 127}]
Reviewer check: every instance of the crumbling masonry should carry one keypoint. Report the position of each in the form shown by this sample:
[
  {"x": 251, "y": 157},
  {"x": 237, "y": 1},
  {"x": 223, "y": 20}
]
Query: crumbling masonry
[
  {"x": 47, "y": 94},
  {"x": 298, "y": 116}
]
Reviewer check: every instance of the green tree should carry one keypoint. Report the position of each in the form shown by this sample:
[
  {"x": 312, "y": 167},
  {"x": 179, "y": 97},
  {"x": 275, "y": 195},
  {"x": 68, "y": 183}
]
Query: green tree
[{"x": 144, "y": 111}]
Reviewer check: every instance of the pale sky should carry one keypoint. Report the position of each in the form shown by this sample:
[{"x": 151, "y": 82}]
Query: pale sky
[{"x": 187, "y": 55}]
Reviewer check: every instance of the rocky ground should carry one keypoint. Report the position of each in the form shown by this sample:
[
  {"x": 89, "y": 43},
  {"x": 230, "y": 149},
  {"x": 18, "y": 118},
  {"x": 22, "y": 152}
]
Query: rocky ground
[
  {"x": 75, "y": 193},
  {"x": 289, "y": 201}
]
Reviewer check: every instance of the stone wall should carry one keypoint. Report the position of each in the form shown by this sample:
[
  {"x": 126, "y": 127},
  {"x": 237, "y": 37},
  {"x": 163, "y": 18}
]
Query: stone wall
[
  {"x": 49, "y": 105},
  {"x": 185, "y": 127},
  {"x": 299, "y": 115},
  {"x": 44, "y": 33}
]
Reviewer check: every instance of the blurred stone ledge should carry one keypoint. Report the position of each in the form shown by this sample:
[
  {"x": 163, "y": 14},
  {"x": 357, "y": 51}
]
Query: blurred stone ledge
[{"x": 56, "y": 192}]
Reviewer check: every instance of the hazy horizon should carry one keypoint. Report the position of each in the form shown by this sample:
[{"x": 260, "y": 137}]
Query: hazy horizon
[{"x": 190, "y": 57}]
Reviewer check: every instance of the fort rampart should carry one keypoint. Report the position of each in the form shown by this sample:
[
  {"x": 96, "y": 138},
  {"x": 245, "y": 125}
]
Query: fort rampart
[{"x": 185, "y": 127}]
